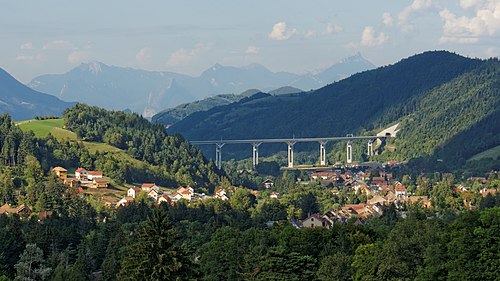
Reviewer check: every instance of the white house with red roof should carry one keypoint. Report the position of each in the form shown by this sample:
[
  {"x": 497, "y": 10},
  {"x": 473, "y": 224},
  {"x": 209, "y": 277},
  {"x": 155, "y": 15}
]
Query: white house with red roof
[
  {"x": 400, "y": 191},
  {"x": 81, "y": 173},
  {"x": 164, "y": 199},
  {"x": 133, "y": 191},
  {"x": 150, "y": 186},
  {"x": 95, "y": 175},
  {"x": 185, "y": 192}
]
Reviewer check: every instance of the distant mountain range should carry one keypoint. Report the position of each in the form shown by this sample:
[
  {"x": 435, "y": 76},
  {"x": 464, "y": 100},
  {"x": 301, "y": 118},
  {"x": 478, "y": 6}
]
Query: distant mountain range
[
  {"x": 438, "y": 98},
  {"x": 24, "y": 103},
  {"x": 149, "y": 92}
]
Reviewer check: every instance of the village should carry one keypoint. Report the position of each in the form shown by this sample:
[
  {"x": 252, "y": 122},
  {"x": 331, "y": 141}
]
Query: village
[{"x": 377, "y": 185}]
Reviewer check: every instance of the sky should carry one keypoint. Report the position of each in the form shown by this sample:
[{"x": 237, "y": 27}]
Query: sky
[{"x": 189, "y": 36}]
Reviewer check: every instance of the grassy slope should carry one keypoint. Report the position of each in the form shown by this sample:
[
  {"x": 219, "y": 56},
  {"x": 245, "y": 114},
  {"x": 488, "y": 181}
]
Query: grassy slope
[
  {"x": 490, "y": 153},
  {"x": 42, "y": 128}
]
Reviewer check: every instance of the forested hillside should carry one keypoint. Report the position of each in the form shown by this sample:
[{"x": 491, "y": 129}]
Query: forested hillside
[
  {"x": 456, "y": 120},
  {"x": 363, "y": 101},
  {"x": 447, "y": 107},
  {"x": 178, "y": 161}
]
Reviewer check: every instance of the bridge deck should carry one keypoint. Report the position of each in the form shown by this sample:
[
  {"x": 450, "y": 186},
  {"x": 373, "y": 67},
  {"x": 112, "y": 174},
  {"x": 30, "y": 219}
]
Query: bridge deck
[{"x": 292, "y": 140}]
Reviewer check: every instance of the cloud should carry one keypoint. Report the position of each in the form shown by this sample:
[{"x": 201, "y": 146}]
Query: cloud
[
  {"x": 281, "y": 32},
  {"x": 77, "y": 57},
  {"x": 26, "y": 46},
  {"x": 370, "y": 37},
  {"x": 387, "y": 19},
  {"x": 417, "y": 6},
  {"x": 252, "y": 50},
  {"x": 28, "y": 58},
  {"x": 485, "y": 22},
  {"x": 184, "y": 56},
  {"x": 57, "y": 45},
  {"x": 144, "y": 55},
  {"x": 309, "y": 34},
  {"x": 333, "y": 28}
]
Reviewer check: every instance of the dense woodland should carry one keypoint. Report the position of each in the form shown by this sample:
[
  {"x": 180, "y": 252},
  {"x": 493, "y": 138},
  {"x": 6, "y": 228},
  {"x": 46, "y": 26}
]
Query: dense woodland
[
  {"x": 221, "y": 240},
  {"x": 447, "y": 107},
  {"x": 172, "y": 158}
]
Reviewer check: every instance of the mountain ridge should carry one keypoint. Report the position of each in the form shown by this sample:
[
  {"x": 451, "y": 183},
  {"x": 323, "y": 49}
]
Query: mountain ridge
[
  {"x": 117, "y": 88},
  {"x": 22, "y": 102}
]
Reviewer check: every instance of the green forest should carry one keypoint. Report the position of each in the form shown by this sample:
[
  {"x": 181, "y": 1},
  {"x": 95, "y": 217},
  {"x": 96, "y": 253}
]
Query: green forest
[{"x": 72, "y": 236}]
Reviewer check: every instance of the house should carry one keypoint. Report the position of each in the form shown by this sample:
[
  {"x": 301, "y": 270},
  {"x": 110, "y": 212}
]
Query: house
[
  {"x": 221, "y": 194},
  {"x": 177, "y": 197},
  {"x": 400, "y": 191},
  {"x": 81, "y": 173},
  {"x": 315, "y": 220},
  {"x": 421, "y": 200},
  {"x": 378, "y": 199},
  {"x": 124, "y": 201},
  {"x": 484, "y": 192},
  {"x": 21, "y": 210},
  {"x": 268, "y": 183},
  {"x": 154, "y": 194},
  {"x": 60, "y": 172},
  {"x": 187, "y": 194},
  {"x": 100, "y": 183},
  {"x": 274, "y": 195},
  {"x": 95, "y": 175},
  {"x": 133, "y": 191},
  {"x": 72, "y": 182},
  {"x": 150, "y": 186},
  {"x": 164, "y": 199}
]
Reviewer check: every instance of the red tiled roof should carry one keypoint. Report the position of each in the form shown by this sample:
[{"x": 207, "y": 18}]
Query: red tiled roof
[
  {"x": 147, "y": 185},
  {"x": 79, "y": 170},
  {"x": 95, "y": 173},
  {"x": 400, "y": 187}
]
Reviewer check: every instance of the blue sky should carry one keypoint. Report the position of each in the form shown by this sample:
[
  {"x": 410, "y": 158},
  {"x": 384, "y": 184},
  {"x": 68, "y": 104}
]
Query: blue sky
[{"x": 188, "y": 36}]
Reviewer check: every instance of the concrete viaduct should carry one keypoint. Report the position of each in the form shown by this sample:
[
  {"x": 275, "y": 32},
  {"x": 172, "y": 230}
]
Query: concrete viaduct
[{"x": 291, "y": 142}]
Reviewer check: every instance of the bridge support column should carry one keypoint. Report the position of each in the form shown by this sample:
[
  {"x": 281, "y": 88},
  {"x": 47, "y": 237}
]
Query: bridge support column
[
  {"x": 255, "y": 154},
  {"x": 322, "y": 153},
  {"x": 370, "y": 148},
  {"x": 290, "y": 154},
  {"x": 349, "y": 152},
  {"x": 218, "y": 154}
]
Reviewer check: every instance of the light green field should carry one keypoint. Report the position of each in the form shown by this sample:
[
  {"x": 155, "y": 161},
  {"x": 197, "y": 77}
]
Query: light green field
[
  {"x": 490, "y": 153},
  {"x": 41, "y": 128}
]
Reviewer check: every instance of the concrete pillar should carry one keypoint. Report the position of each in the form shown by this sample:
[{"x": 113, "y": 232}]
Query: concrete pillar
[
  {"x": 290, "y": 154},
  {"x": 218, "y": 154},
  {"x": 322, "y": 153},
  {"x": 255, "y": 153},
  {"x": 370, "y": 148},
  {"x": 349, "y": 152}
]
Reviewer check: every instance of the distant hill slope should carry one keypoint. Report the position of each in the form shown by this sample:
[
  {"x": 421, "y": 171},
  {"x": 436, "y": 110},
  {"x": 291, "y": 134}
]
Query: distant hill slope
[
  {"x": 364, "y": 101},
  {"x": 456, "y": 120},
  {"x": 149, "y": 92},
  {"x": 171, "y": 116},
  {"x": 23, "y": 103}
]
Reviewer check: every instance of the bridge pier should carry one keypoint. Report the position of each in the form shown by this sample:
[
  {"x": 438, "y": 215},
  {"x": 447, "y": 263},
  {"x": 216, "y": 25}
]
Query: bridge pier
[
  {"x": 370, "y": 148},
  {"x": 290, "y": 153},
  {"x": 349, "y": 152},
  {"x": 218, "y": 154},
  {"x": 255, "y": 154},
  {"x": 322, "y": 153}
]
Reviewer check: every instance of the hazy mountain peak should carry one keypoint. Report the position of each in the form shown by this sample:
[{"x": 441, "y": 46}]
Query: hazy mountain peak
[{"x": 93, "y": 67}]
